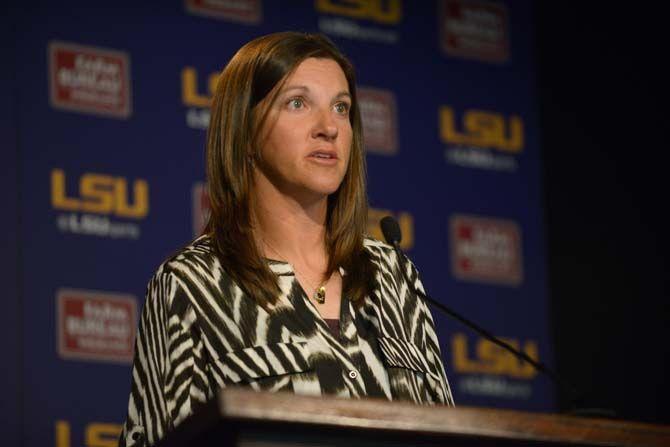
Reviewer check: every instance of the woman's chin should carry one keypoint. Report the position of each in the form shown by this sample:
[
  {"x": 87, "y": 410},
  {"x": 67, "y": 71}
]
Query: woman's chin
[
  {"x": 319, "y": 186},
  {"x": 326, "y": 189}
]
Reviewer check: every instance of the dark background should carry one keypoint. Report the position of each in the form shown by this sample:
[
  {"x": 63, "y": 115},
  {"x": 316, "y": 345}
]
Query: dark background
[{"x": 605, "y": 162}]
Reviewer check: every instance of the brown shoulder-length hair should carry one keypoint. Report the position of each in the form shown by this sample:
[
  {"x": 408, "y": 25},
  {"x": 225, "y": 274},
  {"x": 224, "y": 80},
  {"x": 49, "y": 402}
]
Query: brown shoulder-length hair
[{"x": 256, "y": 72}]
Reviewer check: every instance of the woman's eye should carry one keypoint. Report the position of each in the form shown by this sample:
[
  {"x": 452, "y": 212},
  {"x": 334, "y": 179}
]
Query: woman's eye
[
  {"x": 295, "y": 103},
  {"x": 342, "y": 108}
]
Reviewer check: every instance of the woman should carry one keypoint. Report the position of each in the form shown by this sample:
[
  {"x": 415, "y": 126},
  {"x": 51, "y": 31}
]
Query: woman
[{"x": 283, "y": 292}]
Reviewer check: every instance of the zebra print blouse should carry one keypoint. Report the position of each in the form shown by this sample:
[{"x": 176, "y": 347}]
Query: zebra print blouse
[{"x": 199, "y": 332}]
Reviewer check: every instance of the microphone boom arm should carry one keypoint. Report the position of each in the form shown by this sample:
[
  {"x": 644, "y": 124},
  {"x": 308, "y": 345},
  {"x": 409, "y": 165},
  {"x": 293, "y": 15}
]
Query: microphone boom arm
[{"x": 392, "y": 234}]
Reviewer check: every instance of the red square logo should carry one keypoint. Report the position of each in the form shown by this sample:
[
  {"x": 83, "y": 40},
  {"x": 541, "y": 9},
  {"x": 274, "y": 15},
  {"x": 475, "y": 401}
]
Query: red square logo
[
  {"x": 474, "y": 29},
  {"x": 485, "y": 250},
  {"x": 378, "y": 113},
  {"x": 245, "y": 11},
  {"x": 89, "y": 80},
  {"x": 96, "y": 325}
]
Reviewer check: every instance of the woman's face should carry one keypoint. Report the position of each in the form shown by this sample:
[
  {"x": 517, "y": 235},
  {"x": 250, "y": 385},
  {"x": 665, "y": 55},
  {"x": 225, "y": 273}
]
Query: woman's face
[{"x": 306, "y": 139}]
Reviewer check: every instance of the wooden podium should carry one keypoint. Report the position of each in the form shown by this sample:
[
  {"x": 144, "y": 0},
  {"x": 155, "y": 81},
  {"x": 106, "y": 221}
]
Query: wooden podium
[{"x": 240, "y": 417}]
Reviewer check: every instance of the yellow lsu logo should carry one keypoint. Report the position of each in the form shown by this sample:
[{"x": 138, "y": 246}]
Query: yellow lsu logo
[
  {"x": 190, "y": 94},
  {"x": 101, "y": 194},
  {"x": 405, "y": 220},
  {"x": 96, "y": 434},
  {"x": 388, "y": 12},
  {"x": 482, "y": 129},
  {"x": 489, "y": 358}
]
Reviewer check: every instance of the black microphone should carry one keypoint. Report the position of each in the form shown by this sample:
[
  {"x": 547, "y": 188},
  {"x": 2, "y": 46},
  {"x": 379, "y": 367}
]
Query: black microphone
[
  {"x": 391, "y": 231},
  {"x": 393, "y": 236}
]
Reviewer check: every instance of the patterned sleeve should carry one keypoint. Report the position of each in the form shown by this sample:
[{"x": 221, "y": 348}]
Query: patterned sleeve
[
  {"x": 166, "y": 367},
  {"x": 438, "y": 385}
]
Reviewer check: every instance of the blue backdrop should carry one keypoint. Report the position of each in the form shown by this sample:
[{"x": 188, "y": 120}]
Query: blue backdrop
[{"x": 111, "y": 110}]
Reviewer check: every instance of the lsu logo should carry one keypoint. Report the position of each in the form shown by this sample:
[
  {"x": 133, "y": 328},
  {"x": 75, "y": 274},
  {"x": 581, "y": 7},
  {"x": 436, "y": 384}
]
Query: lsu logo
[
  {"x": 197, "y": 98},
  {"x": 101, "y": 194},
  {"x": 190, "y": 93},
  {"x": 482, "y": 129},
  {"x": 489, "y": 358},
  {"x": 387, "y": 12},
  {"x": 405, "y": 220},
  {"x": 96, "y": 434}
]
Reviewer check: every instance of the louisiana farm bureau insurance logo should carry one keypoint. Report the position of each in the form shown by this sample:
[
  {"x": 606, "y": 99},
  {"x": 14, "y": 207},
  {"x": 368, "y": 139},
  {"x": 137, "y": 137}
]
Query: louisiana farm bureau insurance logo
[
  {"x": 380, "y": 120},
  {"x": 98, "y": 204},
  {"x": 369, "y": 20},
  {"x": 243, "y": 11},
  {"x": 93, "y": 325},
  {"x": 482, "y": 139},
  {"x": 485, "y": 249},
  {"x": 89, "y": 80},
  {"x": 474, "y": 29}
]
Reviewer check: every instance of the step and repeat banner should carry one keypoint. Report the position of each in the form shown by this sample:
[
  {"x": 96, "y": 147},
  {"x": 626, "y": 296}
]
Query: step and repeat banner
[{"x": 112, "y": 109}]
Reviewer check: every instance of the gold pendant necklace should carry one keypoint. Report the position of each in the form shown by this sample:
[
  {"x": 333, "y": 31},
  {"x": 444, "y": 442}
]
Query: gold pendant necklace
[{"x": 319, "y": 292}]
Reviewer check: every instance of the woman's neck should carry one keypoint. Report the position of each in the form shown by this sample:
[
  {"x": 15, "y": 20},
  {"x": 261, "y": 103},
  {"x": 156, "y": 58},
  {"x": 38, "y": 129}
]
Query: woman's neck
[{"x": 289, "y": 227}]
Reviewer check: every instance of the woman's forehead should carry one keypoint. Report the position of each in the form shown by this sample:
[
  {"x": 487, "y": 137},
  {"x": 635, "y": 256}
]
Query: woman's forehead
[{"x": 313, "y": 72}]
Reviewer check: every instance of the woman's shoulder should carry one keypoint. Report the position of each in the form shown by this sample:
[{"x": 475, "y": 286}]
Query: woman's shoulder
[
  {"x": 383, "y": 255},
  {"x": 386, "y": 257},
  {"x": 379, "y": 251},
  {"x": 376, "y": 246},
  {"x": 192, "y": 274},
  {"x": 192, "y": 260}
]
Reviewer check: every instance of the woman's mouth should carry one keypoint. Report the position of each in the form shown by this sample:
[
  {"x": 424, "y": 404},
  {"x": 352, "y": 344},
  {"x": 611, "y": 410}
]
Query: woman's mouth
[{"x": 324, "y": 157}]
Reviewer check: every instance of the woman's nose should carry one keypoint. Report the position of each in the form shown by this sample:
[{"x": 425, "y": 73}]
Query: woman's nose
[{"x": 325, "y": 125}]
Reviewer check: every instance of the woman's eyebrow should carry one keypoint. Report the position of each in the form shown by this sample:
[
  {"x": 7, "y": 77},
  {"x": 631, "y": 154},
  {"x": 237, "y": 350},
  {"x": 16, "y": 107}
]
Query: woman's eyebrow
[
  {"x": 343, "y": 94},
  {"x": 304, "y": 88}
]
